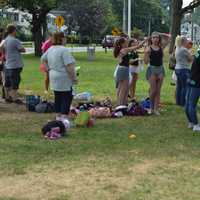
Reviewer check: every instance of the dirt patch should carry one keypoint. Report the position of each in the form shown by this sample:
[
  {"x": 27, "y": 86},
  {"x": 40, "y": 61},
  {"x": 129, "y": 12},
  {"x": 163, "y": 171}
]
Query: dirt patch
[{"x": 87, "y": 182}]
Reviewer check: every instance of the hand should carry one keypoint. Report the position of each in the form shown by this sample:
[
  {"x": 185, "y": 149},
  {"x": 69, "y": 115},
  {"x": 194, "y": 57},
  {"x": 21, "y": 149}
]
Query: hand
[{"x": 75, "y": 81}]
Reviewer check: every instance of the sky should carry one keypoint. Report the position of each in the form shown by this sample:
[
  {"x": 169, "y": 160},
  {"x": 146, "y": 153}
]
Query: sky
[{"x": 186, "y": 2}]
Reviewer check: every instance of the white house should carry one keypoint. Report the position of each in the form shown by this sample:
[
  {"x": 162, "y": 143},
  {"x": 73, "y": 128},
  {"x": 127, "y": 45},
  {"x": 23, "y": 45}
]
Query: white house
[
  {"x": 22, "y": 19},
  {"x": 19, "y": 18},
  {"x": 186, "y": 30}
]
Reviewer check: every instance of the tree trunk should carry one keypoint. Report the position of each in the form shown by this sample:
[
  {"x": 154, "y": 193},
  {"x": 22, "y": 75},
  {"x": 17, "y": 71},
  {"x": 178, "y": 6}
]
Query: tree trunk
[
  {"x": 175, "y": 21},
  {"x": 38, "y": 23}
]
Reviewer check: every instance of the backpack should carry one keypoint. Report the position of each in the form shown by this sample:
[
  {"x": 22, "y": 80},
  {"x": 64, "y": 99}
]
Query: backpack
[
  {"x": 45, "y": 107},
  {"x": 32, "y": 101},
  {"x": 135, "y": 109}
]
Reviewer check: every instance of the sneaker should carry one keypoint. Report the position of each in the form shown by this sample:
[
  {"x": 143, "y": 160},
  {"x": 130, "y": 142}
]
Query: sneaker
[
  {"x": 190, "y": 125},
  {"x": 196, "y": 127},
  {"x": 9, "y": 100},
  {"x": 149, "y": 112},
  {"x": 18, "y": 101},
  {"x": 156, "y": 112}
]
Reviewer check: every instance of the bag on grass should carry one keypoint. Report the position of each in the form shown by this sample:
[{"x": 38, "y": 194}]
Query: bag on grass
[
  {"x": 82, "y": 119},
  {"x": 32, "y": 101},
  {"x": 45, "y": 107},
  {"x": 47, "y": 128},
  {"x": 100, "y": 112}
]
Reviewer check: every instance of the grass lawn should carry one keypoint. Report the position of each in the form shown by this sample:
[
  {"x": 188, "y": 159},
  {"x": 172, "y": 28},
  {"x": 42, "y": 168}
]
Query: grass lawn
[{"x": 100, "y": 163}]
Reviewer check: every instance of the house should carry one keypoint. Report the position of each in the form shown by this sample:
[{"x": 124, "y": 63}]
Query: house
[
  {"x": 191, "y": 31},
  {"x": 22, "y": 19},
  {"x": 17, "y": 17}
]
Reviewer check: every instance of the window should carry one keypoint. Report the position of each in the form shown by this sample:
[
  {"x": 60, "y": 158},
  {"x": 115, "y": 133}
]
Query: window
[{"x": 16, "y": 17}]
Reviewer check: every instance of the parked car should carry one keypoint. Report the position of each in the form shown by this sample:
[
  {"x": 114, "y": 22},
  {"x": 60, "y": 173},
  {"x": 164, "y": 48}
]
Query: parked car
[{"x": 109, "y": 41}]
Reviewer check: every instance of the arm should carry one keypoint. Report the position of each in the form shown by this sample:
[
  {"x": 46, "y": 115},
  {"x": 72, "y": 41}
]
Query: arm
[
  {"x": 129, "y": 49},
  {"x": 2, "y": 46},
  {"x": 69, "y": 62},
  {"x": 20, "y": 47},
  {"x": 190, "y": 57},
  {"x": 165, "y": 39},
  {"x": 72, "y": 72},
  {"x": 23, "y": 50},
  {"x": 146, "y": 55},
  {"x": 44, "y": 61}
]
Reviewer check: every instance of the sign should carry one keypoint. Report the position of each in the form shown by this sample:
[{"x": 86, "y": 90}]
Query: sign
[
  {"x": 3, "y": 3},
  {"x": 59, "y": 21},
  {"x": 116, "y": 32}
]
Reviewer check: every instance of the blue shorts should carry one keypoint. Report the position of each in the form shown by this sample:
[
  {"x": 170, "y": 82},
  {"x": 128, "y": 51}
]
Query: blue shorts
[
  {"x": 155, "y": 70},
  {"x": 122, "y": 74}
]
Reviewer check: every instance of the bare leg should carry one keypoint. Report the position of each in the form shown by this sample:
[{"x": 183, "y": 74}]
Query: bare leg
[
  {"x": 123, "y": 92},
  {"x": 158, "y": 91},
  {"x": 152, "y": 81},
  {"x": 133, "y": 85},
  {"x": 46, "y": 81}
]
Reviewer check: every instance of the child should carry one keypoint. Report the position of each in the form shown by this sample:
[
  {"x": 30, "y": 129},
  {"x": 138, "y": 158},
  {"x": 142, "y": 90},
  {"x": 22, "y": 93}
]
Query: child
[{"x": 45, "y": 46}]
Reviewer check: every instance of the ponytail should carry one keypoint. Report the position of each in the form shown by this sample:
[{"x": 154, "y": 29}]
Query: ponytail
[{"x": 118, "y": 46}]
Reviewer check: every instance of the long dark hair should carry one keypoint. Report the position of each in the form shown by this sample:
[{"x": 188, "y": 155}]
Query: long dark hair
[
  {"x": 131, "y": 41},
  {"x": 153, "y": 35},
  {"x": 118, "y": 46}
]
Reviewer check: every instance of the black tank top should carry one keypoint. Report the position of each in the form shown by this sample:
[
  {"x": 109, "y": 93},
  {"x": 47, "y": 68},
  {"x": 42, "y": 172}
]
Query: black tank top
[
  {"x": 125, "y": 61},
  {"x": 156, "y": 57},
  {"x": 134, "y": 55}
]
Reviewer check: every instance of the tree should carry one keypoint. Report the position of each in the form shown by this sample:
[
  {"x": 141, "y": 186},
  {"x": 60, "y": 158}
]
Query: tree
[
  {"x": 176, "y": 17},
  {"x": 39, "y": 11},
  {"x": 90, "y": 18},
  {"x": 143, "y": 13}
]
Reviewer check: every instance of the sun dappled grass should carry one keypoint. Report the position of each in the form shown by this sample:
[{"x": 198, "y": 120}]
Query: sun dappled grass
[{"x": 161, "y": 163}]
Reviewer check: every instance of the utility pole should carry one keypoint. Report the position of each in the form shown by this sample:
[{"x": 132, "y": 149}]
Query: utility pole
[
  {"x": 192, "y": 27},
  {"x": 129, "y": 18},
  {"x": 149, "y": 26},
  {"x": 124, "y": 17}
]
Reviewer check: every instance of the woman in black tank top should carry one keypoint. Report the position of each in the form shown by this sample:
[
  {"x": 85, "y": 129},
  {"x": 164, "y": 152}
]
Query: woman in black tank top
[
  {"x": 121, "y": 51},
  {"x": 153, "y": 56}
]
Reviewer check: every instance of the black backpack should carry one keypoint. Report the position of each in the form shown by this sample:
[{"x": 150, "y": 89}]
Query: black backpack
[{"x": 45, "y": 107}]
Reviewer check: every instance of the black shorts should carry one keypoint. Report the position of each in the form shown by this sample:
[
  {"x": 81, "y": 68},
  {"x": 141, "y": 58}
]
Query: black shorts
[
  {"x": 1, "y": 67},
  {"x": 13, "y": 78}
]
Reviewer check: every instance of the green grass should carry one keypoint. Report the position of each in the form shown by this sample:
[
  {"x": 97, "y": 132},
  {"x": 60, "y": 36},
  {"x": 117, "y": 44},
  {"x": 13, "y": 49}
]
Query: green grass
[{"x": 161, "y": 163}]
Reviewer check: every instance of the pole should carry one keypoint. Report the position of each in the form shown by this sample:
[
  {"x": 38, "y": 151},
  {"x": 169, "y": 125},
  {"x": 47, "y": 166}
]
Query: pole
[
  {"x": 124, "y": 17},
  {"x": 192, "y": 27},
  {"x": 129, "y": 18},
  {"x": 149, "y": 26}
]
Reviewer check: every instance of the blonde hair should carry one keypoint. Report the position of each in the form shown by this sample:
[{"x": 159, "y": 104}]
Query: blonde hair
[{"x": 179, "y": 41}]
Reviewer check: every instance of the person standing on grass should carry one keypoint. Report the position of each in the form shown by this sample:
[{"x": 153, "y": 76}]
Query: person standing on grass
[
  {"x": 182, "y": 69},
  {"x": 61, "y": 67},
  {"x": 134, "y": 68},
  {"x": 13, "y": 65},
  {"x": 45, "y": 46},
  {"x": 153, "y": 56},
  {"x": 2, "y": 60},
  {"x": 193, "y": 94},
  {"x": 121, "y": 51}
]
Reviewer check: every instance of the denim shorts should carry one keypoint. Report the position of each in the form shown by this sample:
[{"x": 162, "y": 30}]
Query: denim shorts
[
  {"x": 121, "y": 74},
  {"x": 12, "y": 78},
  {"x": 155, "y": 70}
]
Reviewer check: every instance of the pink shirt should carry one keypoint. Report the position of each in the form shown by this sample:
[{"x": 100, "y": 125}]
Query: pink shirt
[{"x": 46, "y": 45}]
